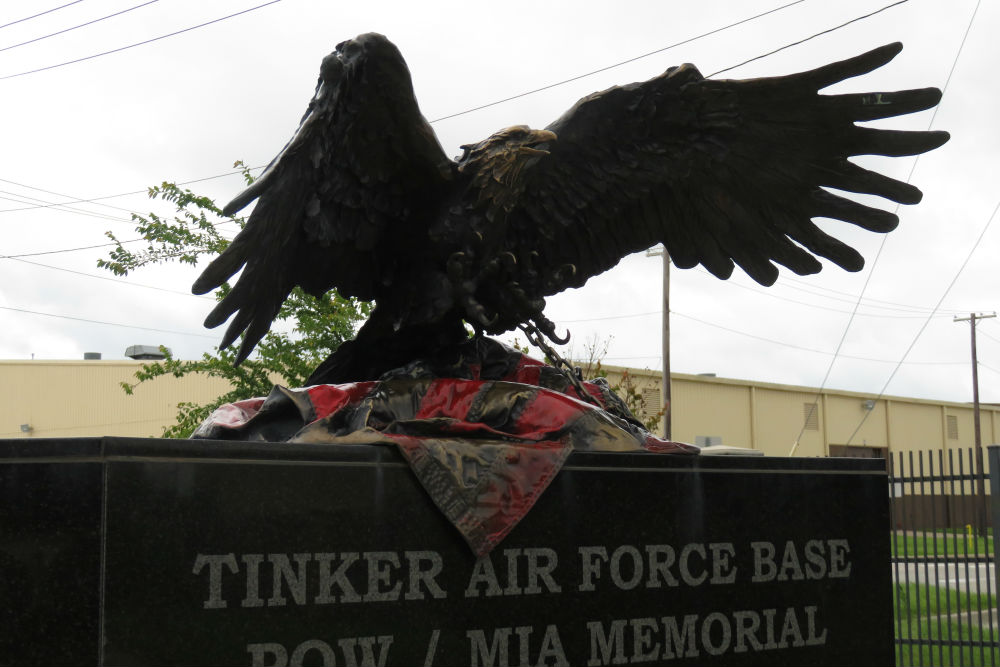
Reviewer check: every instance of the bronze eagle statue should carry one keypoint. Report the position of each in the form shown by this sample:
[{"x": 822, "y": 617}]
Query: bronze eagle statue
[{"x": 722, "y": 172}]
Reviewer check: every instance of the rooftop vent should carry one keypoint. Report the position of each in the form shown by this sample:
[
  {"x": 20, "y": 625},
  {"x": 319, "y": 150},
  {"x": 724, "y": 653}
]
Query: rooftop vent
[
  {"x": 145, "y": 352},
  {"x": 91, "y": 356}
]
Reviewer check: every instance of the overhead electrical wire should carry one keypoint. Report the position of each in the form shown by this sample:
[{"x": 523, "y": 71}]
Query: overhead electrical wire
[
  {"x": 131, "y": 46},
  {"x": 25, "y": 199},
  {"x": 113, "y": 324},
  {"x": 989, "y": 368},
  {"x": 60, "y": 32},
  {"x": 749, "y": 335},
  {"x": 809, "y": 349},
  {"x": 802, "y": 41},
  {"x": 458, "y": 114},
  {"x": 100, "y": 245},
  {"x": 117, "y": 281},
  {"x": 828, "y": 308},
  {"x": 869, "y": 302},
  {"x": 927, "y": 321},
  {"x": 581, "y": 76},
  {"x": 878, "y": 254},
  {"x": 993, "y": 338},
  {"x": 98, "y": 200},
  {"x": 619, "y": 64},
  {"x": 47, "y": 11}
]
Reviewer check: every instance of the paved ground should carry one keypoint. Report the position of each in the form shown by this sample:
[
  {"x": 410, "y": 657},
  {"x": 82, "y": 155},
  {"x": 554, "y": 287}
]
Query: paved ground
[{"x": 960, "y": 576}]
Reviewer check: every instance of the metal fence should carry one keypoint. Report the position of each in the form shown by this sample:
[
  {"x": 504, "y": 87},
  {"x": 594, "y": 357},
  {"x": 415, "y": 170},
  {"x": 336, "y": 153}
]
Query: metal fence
[{"x": 943, "y": 557}]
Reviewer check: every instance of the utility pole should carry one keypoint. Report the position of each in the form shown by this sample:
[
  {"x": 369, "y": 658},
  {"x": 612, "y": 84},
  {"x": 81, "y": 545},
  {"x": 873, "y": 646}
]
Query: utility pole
[
  {"x": 980, "y": 477},
  {"x": 665, "y": 338}
]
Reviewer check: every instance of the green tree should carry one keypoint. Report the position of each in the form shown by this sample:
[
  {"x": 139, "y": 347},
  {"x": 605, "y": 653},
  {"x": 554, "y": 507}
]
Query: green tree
[{"x": 318, "y": 326}]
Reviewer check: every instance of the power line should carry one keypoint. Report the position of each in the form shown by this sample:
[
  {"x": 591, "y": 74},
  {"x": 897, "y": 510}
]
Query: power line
[
  {"x": 988, "y": 367},
  {"x": 873, "y": 303},
  {"x": 764, "y": 293},
  {"x": 103, "y": 245},
  {"x": 26, "y": 199},
  {"x": 878, "y": 255},
  {"x": 56, "y": 252},
  {"x": 610, "y": 317},
  {"x": 47, "y": 11},
  {"x": 815, "y": 305},
  {"x": 810, "y": 349},
  {"x": 927, "y": 321},
  {"x": 802, "y": 41},
  {"x": 112, "y": 324},
  {"x": 98, "y": 199},
  {"x": 38, "y": 39},
  {"x": 619, "y": 64},
  {"x": 130, "y": 46},
  {"x": 993, "y": 338},
  {"x": 114, "y": 280},
  {"x": 785, "y": 6}
]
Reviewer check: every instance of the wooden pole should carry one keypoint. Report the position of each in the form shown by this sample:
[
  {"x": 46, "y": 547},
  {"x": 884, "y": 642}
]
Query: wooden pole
[
  {"x": 665, "y": 342},
  {"x": 980, "y": 472}
]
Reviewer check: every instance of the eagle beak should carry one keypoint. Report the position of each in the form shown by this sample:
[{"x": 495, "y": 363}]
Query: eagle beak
[
  {"x": 534, "y": 139},
  {"x": 541, "y": 137}
]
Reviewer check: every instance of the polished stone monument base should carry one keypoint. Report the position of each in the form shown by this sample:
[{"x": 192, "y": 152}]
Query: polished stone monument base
[{"x": 117, "y": 551}]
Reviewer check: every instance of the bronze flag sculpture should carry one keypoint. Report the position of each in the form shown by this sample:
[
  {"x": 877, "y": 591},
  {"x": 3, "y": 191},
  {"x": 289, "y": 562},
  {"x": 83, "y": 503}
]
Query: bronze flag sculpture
[{"x": 723, "y": 172}]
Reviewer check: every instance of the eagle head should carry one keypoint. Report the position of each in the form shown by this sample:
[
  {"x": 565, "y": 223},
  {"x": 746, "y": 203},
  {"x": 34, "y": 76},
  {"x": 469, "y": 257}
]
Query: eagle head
[
  {"x": 370, "y": 55},
  {"x": 517, "y": 141}
]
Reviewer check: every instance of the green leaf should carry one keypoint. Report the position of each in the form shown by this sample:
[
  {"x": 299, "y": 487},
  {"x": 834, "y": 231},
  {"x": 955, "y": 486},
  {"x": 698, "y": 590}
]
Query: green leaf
[{"x": 318, "y": 325}]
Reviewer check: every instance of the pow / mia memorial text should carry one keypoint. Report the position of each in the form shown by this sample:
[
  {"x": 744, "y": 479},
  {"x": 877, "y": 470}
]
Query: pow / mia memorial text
[
  {"x": 257, "y": 580},
  {"x": 246, "y": 554}
]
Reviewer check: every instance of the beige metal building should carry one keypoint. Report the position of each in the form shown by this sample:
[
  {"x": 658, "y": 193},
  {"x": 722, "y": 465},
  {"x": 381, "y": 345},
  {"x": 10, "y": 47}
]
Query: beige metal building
[
  {"x": 40, "y": 399},
  {"x": 773, "y": 417},
  {"x": 61, "y": 399}
]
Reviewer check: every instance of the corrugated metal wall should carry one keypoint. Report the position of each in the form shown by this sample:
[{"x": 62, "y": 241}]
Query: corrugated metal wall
[
  {"x": 772, "y": 418},
  {"x": 84, "y": 398}
]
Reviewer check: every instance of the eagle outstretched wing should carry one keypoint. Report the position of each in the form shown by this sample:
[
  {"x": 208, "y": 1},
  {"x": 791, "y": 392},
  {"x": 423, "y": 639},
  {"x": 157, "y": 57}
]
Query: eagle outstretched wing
[
  {"x": 335, "y": 204},
  {"x": 722, "y": 172}
]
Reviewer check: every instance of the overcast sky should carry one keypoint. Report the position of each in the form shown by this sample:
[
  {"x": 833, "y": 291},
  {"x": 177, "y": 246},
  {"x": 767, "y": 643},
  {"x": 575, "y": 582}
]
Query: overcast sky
[{"x": 187, "y": 106}]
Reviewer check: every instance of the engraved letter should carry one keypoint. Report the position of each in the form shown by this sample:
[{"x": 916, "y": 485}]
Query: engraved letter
[
  {"x": 658, "y": 566},
  {"x": 685, "y": 564},
  {"x": 413, "y": 558},
  {"x": 723, "y": 571},
  {"x": 674, "y": 637},
  {"x": 644, "y": 646},
  {"x": 380, "y": 576},
  {"x": 616, "y": 567},
  {"x": 489, "y": 655},
  {"x": 299, "y": 654},
  {"x": 591, "y": 570},
  {"x": 296, "y": 579},
  {"x": 840, "y": 565},
  {"x": 602, "y": 645},
  {"x": 259, "y": 652},
  {"x": 763, "y": 557},
  {"x": 215, "y": 563},
  {"x": 538, "y": 571},
  {"x": 328, "y": 578},
  {"x": 483, "y": 573},
  {"x": 706, "y": 633},
  {"x": 815, "y": 559}
]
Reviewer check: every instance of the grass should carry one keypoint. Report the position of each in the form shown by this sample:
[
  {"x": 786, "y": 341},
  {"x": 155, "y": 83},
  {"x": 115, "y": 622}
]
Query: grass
[
  {"x": 940, "y": 544},
  {"x": 914, "y": 603}
]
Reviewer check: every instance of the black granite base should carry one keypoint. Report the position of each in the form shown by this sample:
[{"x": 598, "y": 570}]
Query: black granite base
[{"x": 129, "y": 551}]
